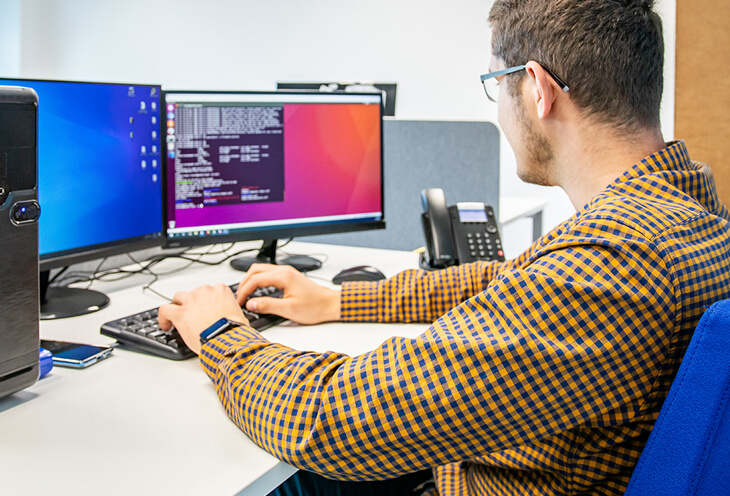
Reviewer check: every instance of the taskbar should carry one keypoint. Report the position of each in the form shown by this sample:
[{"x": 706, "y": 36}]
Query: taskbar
[{"x": 232, "y": 229}]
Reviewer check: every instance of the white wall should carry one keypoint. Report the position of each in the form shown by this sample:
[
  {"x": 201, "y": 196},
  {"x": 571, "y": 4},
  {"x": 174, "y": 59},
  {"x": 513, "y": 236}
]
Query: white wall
[
  {"x": 434, "y": 50},
  {"x": 10, "y": 33}
]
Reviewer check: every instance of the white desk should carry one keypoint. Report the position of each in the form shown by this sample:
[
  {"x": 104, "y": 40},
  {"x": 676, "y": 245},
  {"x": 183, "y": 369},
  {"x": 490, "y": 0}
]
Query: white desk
[{"x": 137, "y": 424}]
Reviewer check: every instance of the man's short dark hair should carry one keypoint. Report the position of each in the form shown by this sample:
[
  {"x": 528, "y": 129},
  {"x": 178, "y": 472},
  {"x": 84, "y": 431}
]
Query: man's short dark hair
[{"x": 609, "y": 52}]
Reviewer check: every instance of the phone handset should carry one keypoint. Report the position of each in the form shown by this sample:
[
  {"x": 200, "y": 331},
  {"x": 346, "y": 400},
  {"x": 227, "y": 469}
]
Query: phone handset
[{"x": 440, "y": 251}]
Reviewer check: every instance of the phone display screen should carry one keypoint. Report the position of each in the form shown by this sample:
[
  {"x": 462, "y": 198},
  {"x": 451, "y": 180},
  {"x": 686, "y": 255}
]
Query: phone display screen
[
  {"x": 75, "y": 353},
  {"x": 472, "y": 212}
]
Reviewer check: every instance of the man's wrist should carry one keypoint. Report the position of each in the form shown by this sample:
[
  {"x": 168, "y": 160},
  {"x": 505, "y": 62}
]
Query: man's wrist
[
  {"x": 221, "y": 326},
  {"x": 334, "y": 306}
]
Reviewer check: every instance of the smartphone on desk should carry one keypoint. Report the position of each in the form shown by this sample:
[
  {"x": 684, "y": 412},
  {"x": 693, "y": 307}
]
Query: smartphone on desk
[{"x": 75, "y": 355}]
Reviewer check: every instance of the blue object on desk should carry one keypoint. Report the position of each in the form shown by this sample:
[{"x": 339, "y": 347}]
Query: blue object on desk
[{"x": 46, "y": 359}]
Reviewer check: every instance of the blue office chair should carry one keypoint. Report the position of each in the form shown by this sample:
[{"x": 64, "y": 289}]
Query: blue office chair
[{"x": 688, "y": 452}]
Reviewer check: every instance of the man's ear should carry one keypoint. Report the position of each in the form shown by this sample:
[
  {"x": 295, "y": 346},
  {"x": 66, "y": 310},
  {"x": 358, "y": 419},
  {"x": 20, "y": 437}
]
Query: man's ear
[{"x": 544, "y": 90}]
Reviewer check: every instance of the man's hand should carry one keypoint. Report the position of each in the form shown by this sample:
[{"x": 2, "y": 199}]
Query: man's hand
[
  {"x": 194, "y": 311},
  {"x": 304, "y": 301}
]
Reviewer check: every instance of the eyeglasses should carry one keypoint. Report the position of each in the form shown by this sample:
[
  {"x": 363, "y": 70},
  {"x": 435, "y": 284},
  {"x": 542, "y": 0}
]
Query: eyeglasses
[{"x": 491, "y": 81}]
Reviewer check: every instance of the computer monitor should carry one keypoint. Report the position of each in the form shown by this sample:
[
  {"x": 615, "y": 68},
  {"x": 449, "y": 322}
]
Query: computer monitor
[
  {"x": 388, "y": 90},
  {"x": 269, "y": 165},
  {"x": 99, "y": 179}
]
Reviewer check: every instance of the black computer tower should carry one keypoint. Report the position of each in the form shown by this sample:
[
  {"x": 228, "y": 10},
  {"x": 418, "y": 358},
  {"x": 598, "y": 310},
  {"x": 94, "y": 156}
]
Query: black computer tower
[{"x": 19, "y": 212}]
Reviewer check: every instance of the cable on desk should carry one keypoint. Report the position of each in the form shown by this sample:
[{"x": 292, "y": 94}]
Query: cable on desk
[
  {"x": 145, "y": 267},
  {"x": 57, "y": 275},
  {"x": 156, "y": 275}
]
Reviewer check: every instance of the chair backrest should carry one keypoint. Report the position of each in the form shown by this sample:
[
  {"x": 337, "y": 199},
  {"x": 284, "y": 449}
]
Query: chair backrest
[{"x": 688, "y": 451}]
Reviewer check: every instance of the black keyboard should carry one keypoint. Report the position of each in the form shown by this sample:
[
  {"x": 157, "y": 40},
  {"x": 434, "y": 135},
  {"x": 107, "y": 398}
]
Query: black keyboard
[{"x": 142, "y": 332}]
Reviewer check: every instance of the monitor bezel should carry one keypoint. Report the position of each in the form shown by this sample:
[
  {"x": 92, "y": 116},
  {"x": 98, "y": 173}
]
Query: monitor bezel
[
  {"x": 274, "y": 232},
  {"x": 64, "y": 258},
  {"x": 57, "y": 260}
]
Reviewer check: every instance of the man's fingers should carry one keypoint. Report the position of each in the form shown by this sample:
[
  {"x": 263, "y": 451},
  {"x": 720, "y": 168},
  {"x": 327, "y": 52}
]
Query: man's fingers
[
  {"x": 266, "y": 304},
  {"x": 253, "y": 270},
  {"x": 180, "y": 297},
  {"x": 259, "y": 280},
  {"x": 166, "y": 314}
]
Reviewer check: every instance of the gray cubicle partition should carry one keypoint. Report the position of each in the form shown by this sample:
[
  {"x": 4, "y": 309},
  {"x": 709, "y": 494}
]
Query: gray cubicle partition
[{"x": 460, "y": 157}]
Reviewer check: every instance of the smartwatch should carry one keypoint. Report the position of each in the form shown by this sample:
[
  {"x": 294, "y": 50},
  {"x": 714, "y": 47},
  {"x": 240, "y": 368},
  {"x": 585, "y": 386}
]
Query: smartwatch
[{"x": 221, "y": 326}]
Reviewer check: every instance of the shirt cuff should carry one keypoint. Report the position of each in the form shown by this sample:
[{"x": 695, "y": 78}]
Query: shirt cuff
[
  {"x": 360, "y": 301},
  {"x": 238, "y": 339}
]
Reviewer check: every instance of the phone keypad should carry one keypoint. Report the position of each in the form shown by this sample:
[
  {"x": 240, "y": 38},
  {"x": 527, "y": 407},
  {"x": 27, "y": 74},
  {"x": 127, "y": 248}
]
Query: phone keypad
[{"x": 484, "y": 245}]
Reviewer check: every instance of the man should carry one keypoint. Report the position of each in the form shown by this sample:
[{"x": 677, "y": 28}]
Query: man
[{"x": 539, "y": 375}]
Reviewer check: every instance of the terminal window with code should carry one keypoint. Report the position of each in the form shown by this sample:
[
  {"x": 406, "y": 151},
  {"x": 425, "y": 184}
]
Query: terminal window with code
[{"x": 245, "y": 164}]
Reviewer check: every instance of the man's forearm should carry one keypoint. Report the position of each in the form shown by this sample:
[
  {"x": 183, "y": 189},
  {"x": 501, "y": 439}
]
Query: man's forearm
[{"x": 413, "y": 295}]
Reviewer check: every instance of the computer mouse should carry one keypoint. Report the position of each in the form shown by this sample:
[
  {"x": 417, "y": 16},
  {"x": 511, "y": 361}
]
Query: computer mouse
[{"x": 359, "y": 273}]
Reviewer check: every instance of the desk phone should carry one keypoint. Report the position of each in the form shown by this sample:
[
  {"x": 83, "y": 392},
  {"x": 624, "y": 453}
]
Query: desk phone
[{"x": 457, "y": 234}]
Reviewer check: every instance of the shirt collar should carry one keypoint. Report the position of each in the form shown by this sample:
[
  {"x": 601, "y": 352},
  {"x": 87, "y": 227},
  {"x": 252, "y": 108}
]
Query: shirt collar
[
  {"x": 673, "y": 157},
  {"x": 673, "y": 166}
]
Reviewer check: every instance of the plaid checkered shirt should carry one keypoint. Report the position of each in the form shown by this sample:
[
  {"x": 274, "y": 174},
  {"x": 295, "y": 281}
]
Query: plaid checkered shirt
[{"x": 539, "y": 375}]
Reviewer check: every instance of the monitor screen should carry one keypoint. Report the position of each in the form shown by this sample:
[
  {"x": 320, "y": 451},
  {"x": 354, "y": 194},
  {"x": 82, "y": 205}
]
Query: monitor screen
[
  {"x": 267, "y": 165},
  {"x": 99, "y": 169},
  {"x": 99, "y": 179}
]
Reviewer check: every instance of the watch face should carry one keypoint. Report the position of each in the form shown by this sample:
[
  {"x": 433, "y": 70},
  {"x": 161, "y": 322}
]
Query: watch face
[{"x": 219, "y": 327}]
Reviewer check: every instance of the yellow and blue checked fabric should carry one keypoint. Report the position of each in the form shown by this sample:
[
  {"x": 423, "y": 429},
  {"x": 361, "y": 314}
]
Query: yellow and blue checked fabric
[{"x": 540, "y": 375}]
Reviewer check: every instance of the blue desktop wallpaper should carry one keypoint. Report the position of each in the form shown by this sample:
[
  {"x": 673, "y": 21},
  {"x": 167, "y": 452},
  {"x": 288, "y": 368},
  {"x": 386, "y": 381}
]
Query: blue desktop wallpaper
[{"x": 99, "y": 163}]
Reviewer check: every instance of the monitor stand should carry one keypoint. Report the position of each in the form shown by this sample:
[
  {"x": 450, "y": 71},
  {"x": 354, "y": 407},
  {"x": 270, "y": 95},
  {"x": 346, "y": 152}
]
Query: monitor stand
[
  {"x": 62, "y": 302},
  {"x": 267, "y": 254}
]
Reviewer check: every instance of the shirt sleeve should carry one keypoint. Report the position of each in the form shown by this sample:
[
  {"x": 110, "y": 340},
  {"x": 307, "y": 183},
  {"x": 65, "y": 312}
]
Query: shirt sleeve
[
  {"x": 536, "y": 353},
  {"x": 416, "y": 295}
]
